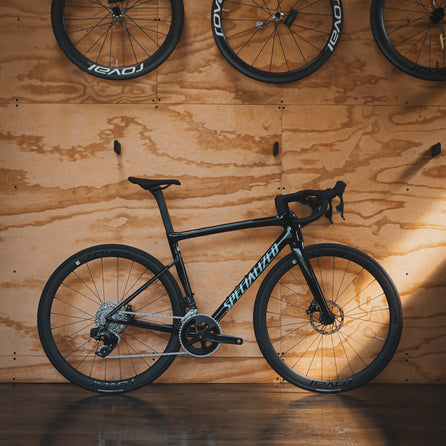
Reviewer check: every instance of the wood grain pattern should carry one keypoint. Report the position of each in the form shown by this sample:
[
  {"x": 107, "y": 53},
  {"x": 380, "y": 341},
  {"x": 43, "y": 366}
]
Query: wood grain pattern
[
  {"x": 394, "y": 205},
  {"x": 57, "y": 216},
  {"x": 196, "y": 72},
  {"x": 62, "y": 188},
  {"x": 357, "y": 73},
  {"x": 34, "y": 68}
]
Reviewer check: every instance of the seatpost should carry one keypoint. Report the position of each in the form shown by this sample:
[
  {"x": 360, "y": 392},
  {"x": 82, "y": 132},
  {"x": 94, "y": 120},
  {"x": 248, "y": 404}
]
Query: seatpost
[{"x": 157, "y": 192}]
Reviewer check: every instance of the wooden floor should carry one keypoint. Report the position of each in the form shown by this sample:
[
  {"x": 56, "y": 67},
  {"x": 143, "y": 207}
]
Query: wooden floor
[{"x": 222, "y": 414}]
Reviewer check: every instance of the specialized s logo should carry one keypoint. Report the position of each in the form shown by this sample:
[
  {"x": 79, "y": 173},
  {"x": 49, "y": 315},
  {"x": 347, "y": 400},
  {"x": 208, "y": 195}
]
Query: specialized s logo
[
  {"x": 335, "y": 34},
  {"x": 119, "y": 71},
  {"x": 248, "y": 280}
]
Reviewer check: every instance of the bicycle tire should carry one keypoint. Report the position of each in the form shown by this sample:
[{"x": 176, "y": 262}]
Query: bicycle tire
[
  {"x": 76, "y": 298},
  {"x": 119, "y": 40},
  {"x": 277, "y": 41},
  {"x": 337, "y": 357},
  {"x": 411, "y": 36}
]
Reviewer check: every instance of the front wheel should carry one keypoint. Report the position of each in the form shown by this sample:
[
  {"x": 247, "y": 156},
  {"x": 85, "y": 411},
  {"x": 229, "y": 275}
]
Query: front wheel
[
  {"x": 277, "y": 40},
  {"x": 334, "y": 357},
  {"x": 83, "y": 291}
]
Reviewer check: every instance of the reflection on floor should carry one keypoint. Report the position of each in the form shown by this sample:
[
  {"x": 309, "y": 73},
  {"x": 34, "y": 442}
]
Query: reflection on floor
[{"x": 222, "y": 414}]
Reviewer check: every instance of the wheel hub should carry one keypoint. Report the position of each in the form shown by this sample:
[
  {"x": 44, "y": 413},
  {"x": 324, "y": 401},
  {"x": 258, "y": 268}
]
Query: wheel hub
[
  {"x": 193, "y": 334},
  {"x": 436, "y": 16},
  {"x": 277, "y": 16},
  {"x": 117, "y": 12},
  {"x": 106, "y": 308},
  {"x": 333, "y": 327}
]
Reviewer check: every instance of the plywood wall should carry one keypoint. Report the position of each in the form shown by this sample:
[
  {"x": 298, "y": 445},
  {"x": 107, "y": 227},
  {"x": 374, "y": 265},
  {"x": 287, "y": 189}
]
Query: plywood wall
[{"x": 197, "y": 119}]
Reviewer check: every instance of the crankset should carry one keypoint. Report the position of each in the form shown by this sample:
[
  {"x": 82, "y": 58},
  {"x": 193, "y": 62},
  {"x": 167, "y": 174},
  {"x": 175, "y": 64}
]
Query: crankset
[{"x": 200, "y": 335}]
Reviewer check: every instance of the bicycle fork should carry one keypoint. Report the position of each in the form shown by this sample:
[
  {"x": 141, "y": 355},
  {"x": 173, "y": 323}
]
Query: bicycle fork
[{"x": 319, "y": 303}]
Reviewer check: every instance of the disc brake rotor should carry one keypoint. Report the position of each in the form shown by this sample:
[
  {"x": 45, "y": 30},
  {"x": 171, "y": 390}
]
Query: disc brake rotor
[{"x": 328, "y": 328}]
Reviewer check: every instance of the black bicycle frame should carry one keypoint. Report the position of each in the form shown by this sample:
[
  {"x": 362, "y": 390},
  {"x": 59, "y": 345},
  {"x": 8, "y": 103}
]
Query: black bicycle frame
[
  {"x": 251, "y": 276},
  {"x": 291, "y": 236}
]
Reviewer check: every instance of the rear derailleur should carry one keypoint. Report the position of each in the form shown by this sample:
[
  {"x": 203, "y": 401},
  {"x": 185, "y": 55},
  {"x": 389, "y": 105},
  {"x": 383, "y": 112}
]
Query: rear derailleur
[
  {"x": 107, "y": 329},
  {"x": 108, "y": 337}
]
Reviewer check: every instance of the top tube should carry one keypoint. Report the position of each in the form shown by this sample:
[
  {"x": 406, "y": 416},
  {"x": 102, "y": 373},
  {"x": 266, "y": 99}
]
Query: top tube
[{"x": 280, "y": 220}]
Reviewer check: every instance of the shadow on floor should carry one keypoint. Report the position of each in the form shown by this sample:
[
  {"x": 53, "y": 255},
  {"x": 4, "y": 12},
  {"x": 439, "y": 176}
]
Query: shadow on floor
[{"x": 220, "y": 414}]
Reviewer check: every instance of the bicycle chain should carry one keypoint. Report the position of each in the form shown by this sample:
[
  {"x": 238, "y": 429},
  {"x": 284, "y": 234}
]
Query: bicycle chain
[
  {"x": 184, "y": 318},
  {"x": 146, "y": 355}
]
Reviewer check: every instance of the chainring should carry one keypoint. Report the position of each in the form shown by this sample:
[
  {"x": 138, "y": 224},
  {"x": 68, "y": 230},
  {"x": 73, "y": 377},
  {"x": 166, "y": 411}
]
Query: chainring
[{"x": 193, "y": 332}]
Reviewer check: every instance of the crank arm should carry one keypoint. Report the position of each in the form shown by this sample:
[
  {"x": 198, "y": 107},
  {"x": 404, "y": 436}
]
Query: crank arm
[{"x": 222, "y": 339}]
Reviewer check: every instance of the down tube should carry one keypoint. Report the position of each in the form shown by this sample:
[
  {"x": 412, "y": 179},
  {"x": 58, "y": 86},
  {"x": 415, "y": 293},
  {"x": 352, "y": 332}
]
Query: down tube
[{"x": 253, "y": 275}]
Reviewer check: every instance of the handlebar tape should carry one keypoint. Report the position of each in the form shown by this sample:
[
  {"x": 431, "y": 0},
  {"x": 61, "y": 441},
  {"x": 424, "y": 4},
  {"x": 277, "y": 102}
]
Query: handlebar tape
[{"x": 319, "y": 200}]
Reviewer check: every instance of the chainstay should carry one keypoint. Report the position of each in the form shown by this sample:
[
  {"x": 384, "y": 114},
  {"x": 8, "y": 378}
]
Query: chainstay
[
  {"x": 189, "y": 314},
  {"x": 146, "y": 355},
  {"x": 151, "y": 315}
]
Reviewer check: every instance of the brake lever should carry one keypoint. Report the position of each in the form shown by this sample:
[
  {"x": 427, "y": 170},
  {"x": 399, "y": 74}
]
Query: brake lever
[
  {"x": 337, "y": 191},
  {"x": 340, "y": 208}
]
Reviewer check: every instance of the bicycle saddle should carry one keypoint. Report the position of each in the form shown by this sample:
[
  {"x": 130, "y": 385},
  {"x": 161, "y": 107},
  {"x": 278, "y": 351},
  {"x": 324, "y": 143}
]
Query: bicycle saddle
[{"x": 150, "y": 184}]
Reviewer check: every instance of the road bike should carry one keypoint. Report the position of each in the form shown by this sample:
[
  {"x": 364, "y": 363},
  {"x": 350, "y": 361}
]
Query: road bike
[
  {"x": 412, "y": 35},
  {"x": 268, "y": 40},
  {"x": 327, "y": 317}
]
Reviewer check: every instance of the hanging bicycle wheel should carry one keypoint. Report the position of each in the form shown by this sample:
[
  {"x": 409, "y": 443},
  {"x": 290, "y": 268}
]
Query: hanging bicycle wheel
[
  {"x": 117, "y": 39},
  {"x": 412, "y": 35},
  {"x": 117, "y": 355},
  {"x": 340, "y": 355},
  {"x": 277, "y": 40}
]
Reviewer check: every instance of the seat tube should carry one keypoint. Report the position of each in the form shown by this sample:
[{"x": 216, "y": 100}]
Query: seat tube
[
  {"x": 159, "y": 197},
  {"x": 182, "y": 274},
  {"x": 175, "y": 249}
]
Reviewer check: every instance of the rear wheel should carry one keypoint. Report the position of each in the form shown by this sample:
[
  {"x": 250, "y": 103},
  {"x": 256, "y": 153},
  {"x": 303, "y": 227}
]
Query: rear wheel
[
  {"x": 77, "y": 298},
  {"x": 333, "y": 357}
]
